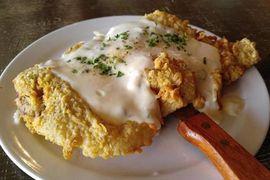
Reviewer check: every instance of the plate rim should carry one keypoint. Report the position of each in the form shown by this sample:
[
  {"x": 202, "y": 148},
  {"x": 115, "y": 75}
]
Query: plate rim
[{"x": 27, "y": 169}]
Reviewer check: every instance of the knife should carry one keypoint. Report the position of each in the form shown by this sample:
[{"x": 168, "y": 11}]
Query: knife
[{"x": 228, "y": 156}]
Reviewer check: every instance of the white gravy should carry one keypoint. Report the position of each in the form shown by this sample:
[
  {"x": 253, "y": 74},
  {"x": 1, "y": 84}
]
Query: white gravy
[{"x": 129, "y": 97}]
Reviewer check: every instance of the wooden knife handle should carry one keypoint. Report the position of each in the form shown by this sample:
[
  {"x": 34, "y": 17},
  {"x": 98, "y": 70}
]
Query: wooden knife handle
[{"x": 229, "y": 157}]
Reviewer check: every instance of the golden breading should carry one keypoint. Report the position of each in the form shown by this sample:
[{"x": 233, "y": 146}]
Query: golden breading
[
  {"x": 50, "y": 107},
  {"x": 174, "y": 84},
  {"x": 235, "y": 58},
  {"x": 166, "y": 19}
]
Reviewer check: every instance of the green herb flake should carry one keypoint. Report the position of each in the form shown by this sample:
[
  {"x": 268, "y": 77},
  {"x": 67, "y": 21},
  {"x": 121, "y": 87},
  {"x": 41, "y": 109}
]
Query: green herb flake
[
  {"x": 123, "y": 35},
  {"x": 153, "y": 40},
  {"x": 90, "y": 61},
  {"x": 128, "y": 46},
  {"x": 102, "y": 46},
  {"x": 74, "y": 71},
  {"x": 106, "y": 65},
  {"x": 78, "y": 58},
  {"x": 119, "y": 74},
  {"x": 179, "y": 40},
  {"x": 82, "y": 60},
  {"x": 117, "y": 36},
  {"x": 101, "y": 57},
  {"x": 68, "y": 61},
  {"x": 104, "y": 68}
]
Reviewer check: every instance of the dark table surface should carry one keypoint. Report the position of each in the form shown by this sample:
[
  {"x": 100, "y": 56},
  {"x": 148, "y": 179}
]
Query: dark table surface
[{"x": 24, "y": 21}]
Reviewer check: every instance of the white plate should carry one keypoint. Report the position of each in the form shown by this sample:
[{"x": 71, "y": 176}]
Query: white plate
[{"x": 170, "y": 156}]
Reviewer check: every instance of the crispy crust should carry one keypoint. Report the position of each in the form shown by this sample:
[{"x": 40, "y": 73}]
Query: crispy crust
[
  {"x": 174, "y": 84},
  {"x": 166, "y": 19},
  {"x": 72, "y": 124},
  {"x": 50, "y": 107},
  {"x": 235, "y": 58}
]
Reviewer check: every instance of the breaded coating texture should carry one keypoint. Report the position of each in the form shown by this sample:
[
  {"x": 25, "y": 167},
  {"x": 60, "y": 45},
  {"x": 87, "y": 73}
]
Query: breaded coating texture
[
  {"x": 174, "y": 84},
  {"x": 170, "y": 20},
  {"x": 50, "y": 107},
  {"x": 235, "y": 58}
]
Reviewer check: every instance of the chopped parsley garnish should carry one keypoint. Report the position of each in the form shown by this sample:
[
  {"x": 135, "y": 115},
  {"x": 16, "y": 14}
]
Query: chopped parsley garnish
[
  {"x": 78, "y": 58},
  {"x": 68, "y": 61},
  {"x": 119, "y": 74},
  {"x": 123, "y": 35},
  {"x": 82, "y": 59},
  {"x": 128, "y": 46},
  {"x": 102, "y": 46},
  {"x": 104, "y": 68},
  {"x": 74, "y": 71},
  {"x": 101, "y": 57},
  {"x": 90, "y": 62},
  {"x": 204, "y": 60},
  {"x": 153, "y": 40},
  {"x": 178, "y": 40},
  {"x": 106, "y": 65}
]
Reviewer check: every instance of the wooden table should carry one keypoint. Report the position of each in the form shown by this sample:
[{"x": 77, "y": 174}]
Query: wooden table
[{"x": 24, "y": 21}]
